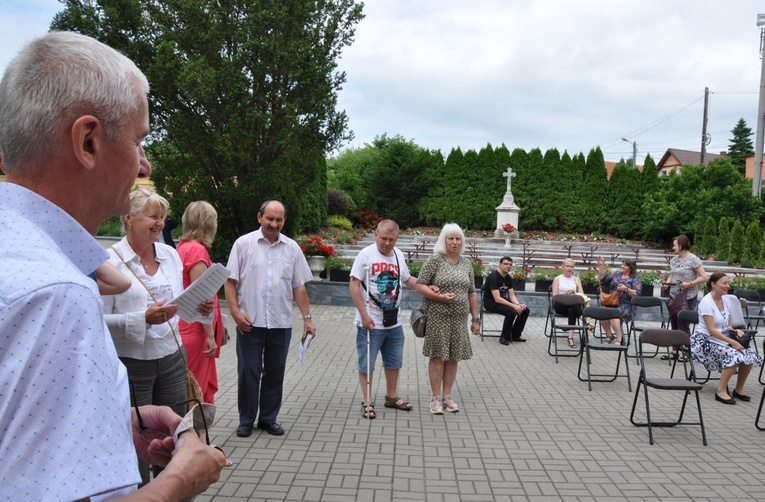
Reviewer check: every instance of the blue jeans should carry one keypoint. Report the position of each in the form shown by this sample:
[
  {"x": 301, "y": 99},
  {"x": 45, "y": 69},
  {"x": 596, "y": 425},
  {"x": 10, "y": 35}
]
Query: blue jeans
[
  {"x": 261, "y": 359},
  {"x": 388, "y": 342}
]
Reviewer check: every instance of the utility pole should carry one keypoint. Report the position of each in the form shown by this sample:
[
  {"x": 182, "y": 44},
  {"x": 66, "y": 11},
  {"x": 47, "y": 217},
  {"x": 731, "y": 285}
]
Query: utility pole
[
  {"x": 704, "y": 125},
  {"x": 757, "y": 175}
]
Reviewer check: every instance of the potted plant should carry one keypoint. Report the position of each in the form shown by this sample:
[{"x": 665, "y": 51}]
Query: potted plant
[
  {"x": 543, "y": 278},
  {"x": 339, "y": 269},
  {"x": 649, "y": 278},
  {"x": 756, "y": 283},
  {"x": 510, "y": 233},
  {"x": 317, "y": 253},
  {"x": 519, "y": 278},
  {"x": 478, "y": 272},
  {"x": 589, "y": 281},
  {"x": 414, "y": 268}
]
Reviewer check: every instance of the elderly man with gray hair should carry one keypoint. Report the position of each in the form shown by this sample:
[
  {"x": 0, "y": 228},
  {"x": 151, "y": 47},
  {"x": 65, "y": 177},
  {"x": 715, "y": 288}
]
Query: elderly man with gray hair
[{"x": 73, "y": 117}]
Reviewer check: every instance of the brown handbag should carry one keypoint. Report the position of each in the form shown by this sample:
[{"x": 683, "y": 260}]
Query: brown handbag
[
  {"x": 609, "y": 299},
  {"x": 676, "y": 304}
]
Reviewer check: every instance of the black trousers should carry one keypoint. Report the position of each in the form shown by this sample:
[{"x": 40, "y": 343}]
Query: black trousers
[
  {"x": 514, "y": 322},
  {"x": 572, "y": 311}
]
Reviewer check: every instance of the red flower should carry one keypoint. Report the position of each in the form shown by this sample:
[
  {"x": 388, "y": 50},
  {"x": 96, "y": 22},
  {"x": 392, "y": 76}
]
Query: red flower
[{"x": 313, "y": 246}]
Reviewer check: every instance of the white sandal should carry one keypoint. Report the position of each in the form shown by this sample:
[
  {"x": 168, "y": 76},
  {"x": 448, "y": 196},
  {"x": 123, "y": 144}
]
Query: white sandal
[
  {"x": 435, "y": 406},
  {"x": 450, "y": 405}
]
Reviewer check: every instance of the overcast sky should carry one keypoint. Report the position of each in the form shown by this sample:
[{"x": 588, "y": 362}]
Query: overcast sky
[{"x": 559, "y": 74}]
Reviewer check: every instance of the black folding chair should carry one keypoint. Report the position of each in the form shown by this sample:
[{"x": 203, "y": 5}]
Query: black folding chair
[
  {"x": 482, "y": 317},
  {"x": 652, "y": 305},
  {"x": 562, "y": 330},
  {"x": 759, "y": 410},
  {"x": 588, "y": 346},
  {"x": 666, "y": 338},
  {"x": 752, "y": 326},
  {"x": 754, "y": 306}
]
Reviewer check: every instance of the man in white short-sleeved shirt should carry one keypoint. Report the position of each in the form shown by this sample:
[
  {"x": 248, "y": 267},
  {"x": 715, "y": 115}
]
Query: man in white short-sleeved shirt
[
  {"x": 73, "y": 114},
  {"x": 268, "y": 271},
  {"x": 380, "y": 318}
]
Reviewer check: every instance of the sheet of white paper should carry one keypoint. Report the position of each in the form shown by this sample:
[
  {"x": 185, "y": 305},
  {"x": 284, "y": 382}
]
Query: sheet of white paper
[
  {"x": 304, "y": 346},
  {"x": 200, "y": 291}
]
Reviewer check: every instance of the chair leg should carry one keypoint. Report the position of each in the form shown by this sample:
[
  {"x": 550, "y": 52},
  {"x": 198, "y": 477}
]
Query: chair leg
[{"x": 759, "y": 412}]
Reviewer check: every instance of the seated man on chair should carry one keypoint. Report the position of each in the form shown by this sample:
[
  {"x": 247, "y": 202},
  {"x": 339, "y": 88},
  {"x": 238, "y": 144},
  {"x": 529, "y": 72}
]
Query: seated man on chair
[{"x": 499, "y": 297}]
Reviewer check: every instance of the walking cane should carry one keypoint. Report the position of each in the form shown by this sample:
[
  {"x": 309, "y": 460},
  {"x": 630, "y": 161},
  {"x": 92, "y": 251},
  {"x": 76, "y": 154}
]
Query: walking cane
[{"x": 369, "y": 384}]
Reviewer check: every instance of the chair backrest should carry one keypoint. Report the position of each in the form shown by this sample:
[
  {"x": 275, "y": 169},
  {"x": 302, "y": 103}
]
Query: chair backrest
[
  {"x": 737, "y": 319},
  {"x": 689, "y": 316},
  {"x": 646, "y": 301},
  {"x": 750, "y": 295},
  {"x": 568, "y": 300},
  {"x": 665, "y": 337},
  {"x": 602, "y": 313}
]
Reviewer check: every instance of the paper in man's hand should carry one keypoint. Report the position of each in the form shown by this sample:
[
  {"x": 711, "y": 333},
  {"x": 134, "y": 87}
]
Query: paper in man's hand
[{"x": 304, "y": 343}]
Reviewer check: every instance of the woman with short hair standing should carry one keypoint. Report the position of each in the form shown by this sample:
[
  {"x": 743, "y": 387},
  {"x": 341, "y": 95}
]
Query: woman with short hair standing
[
  {"x": 142, "y": 323},
  {"x": 447, "y": 341}
]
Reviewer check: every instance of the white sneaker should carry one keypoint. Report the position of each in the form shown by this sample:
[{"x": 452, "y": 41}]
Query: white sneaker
[{"x": 435, "y": 406}]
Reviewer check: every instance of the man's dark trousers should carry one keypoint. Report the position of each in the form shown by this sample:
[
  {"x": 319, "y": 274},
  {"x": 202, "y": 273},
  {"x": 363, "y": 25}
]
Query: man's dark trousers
[
  {"x": 261, "y": 360},
  {"x": 514, "y": 323}
]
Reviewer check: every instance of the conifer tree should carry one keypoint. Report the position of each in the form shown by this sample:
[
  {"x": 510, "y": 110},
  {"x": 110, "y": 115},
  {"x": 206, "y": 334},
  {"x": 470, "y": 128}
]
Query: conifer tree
[
  {"x": 722, "y": 249},
  {"x": 710, "y": 237},
  {"x": 594, "y": 191},
  {"x": 752, "y": 246},
  {"x": 741, "y": 145},
  {"x": 737, "y": 238},
  {"x": 699, "y": 244}
]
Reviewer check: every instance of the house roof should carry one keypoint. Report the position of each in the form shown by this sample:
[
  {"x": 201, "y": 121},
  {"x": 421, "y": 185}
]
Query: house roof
[
  {"x": 674, "y": 157},
  {"x": 611, "y": 165}
]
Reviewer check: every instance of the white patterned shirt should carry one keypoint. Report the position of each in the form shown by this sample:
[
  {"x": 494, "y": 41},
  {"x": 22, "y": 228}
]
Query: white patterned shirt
[
  {"x": 126, "y": 312},
  {"x": 266, "y": 275},
  {"x": 65, "y": 430}
]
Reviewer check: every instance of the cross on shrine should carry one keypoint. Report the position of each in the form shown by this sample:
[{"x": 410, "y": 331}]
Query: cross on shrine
[{"x": 509, "y": 175}]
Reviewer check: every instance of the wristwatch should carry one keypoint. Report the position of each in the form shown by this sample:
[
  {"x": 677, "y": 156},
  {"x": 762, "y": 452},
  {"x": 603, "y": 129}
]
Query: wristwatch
[{"x": 307, "y": 316}]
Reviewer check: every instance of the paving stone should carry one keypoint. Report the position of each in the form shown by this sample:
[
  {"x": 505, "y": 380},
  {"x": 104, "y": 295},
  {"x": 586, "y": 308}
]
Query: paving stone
[{"x": 528, "y": 430}]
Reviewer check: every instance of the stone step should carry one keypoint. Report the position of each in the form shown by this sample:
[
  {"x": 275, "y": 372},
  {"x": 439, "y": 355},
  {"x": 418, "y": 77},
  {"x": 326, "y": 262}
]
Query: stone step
[{"x": 545, "y": 254}]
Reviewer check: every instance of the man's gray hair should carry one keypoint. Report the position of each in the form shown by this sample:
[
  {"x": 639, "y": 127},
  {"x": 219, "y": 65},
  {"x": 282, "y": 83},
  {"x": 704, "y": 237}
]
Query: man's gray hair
[{"x": 54, "y": 80}]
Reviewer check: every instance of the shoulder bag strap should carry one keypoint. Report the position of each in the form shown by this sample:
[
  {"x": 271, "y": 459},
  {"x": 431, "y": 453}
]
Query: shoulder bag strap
[{"x": 155, "y": 300}]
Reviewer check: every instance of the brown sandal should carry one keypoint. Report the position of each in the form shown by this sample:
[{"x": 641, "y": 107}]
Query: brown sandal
[
  {"x": 368, "y": 410},
  {"x": 390, "y": 402}
]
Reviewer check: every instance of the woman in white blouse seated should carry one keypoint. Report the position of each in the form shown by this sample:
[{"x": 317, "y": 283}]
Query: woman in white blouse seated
[
  {"x": 711, "y": 346},
  {"x": 143, "y": 325},
  {"x": 568, "y": 284}
]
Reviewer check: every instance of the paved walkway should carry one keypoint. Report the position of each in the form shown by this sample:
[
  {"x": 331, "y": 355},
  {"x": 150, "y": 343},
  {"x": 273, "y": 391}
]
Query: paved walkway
[{"x": 528, "y": 430}]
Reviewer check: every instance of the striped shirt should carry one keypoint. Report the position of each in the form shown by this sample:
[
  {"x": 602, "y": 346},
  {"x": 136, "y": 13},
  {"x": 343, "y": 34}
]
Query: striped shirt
[{"x": 266, "y": 275}]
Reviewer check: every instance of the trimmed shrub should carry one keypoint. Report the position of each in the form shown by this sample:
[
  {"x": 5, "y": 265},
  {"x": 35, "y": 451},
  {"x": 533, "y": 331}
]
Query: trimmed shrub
[
  {"x": 340, "y": 222},
  {"x": 338, "y": 203}
]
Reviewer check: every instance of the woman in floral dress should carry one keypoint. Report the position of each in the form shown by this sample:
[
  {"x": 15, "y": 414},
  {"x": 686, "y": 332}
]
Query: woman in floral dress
[
  {"x": 447, "y": 341},
  {"x": 711, "y": 346},
  {"x": 628, "y": 284}
]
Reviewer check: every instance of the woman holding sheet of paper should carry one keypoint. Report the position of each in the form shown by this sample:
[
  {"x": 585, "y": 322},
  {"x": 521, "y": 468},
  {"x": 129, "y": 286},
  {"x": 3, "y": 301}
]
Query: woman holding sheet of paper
[
  {"x": 142, "y": 322},
  {"x": 202, "y": 339}
]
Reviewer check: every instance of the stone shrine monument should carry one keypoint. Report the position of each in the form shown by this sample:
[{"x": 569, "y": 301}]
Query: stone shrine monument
[{"x": 507, "y": 212}]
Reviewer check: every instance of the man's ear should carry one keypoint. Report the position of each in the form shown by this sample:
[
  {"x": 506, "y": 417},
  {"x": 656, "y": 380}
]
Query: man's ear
[{"x": 87, "y": 135}]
